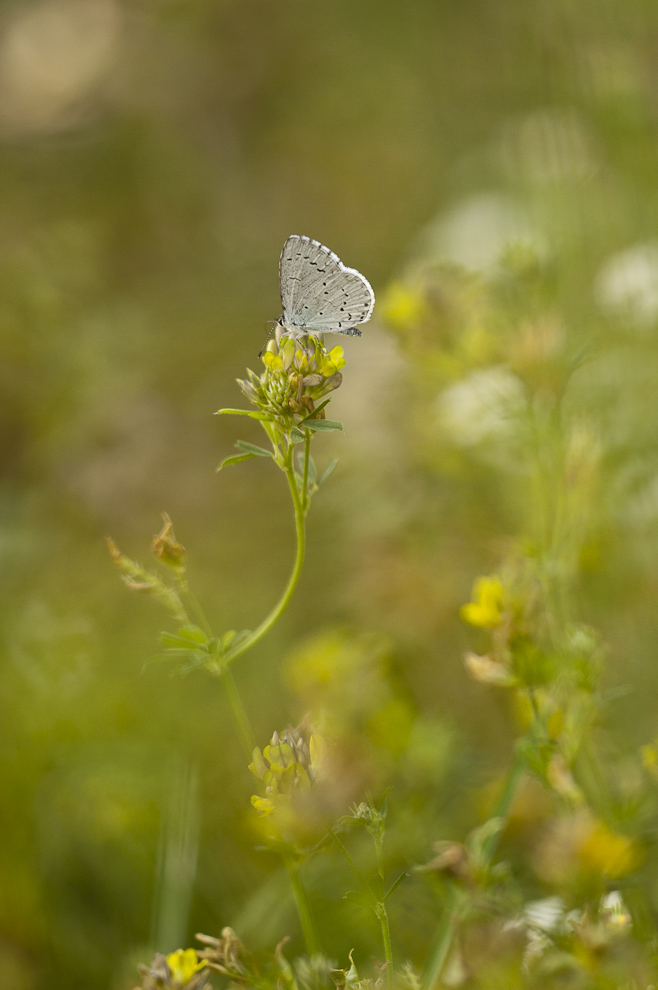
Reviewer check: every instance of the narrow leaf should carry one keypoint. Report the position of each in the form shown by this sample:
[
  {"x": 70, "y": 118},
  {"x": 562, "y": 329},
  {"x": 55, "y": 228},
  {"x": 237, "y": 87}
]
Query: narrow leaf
[
  {"x": 178, "y": 642},
  {"x": 328, "y": 471},
  {"x": 241, "y": 412},
  {"x": 240, "y": 637},
  {"x": 312, "y": 472},
  {"x": 317, "y": 410},
  {"x": 194, "y": 633},
  {"x": 227, "y": 639},
  {"x": 252, "y": 448},
  {"x": 322, "y": 425},
  {"x": 394, "y": 886},
  {"x": 196, "y": 661},
  {"x": 235, "y": 459}
]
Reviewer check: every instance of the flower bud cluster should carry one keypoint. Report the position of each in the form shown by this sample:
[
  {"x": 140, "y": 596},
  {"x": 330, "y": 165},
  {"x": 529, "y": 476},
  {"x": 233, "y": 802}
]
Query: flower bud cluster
[
  {"x": 297, "y": 375},
  {"x": 288, "y": 767}
]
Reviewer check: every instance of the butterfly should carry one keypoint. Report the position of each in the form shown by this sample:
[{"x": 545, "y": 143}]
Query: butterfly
[{"x": 320, "y": 294}]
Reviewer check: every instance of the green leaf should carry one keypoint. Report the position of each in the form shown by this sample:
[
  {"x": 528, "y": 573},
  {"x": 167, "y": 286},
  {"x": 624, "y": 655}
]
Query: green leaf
[
  {"x": 234, "y": 459},
  {"x": 394, "y": 886},
  {"x": 253, "y": 449},
  {"x": 195, "y": 661},
  {"x": 194, "y": 633},
  {"x": 322, "y": 425},
  {"x": 312, "y": 473},
  {"x": 241, "y": 412},
  {"x": 178, "y": 642},
  {"x": 240, "y": 637},
  {"x": 317, "y": 409},
  {"x": 328, "y": 471},
  {"x": 296, "y": 435}
]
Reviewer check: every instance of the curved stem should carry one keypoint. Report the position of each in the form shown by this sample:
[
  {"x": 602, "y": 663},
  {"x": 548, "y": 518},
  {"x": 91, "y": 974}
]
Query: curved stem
[{"x": 282, "y": 604}]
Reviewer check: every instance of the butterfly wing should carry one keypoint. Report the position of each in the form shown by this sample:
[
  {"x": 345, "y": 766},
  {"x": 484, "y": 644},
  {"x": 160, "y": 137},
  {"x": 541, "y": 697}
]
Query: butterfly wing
[{"x": 319, "y": 293}]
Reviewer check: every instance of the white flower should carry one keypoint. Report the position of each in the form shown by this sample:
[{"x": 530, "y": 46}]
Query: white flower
[
  {"x": 627, "y": 284},
  {"x": 483, "y": 408}
]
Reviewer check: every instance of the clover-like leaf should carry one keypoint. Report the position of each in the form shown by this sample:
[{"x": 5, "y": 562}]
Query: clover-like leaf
[
  {"x": 235, "y": 459},
  {"x": 253, "y": 449},
  {"x": 241, "y": 412},
  {"x": 315, "y": 412},
  {"x": 322, "y": 425},
  {"x": 328, "y": 471}
]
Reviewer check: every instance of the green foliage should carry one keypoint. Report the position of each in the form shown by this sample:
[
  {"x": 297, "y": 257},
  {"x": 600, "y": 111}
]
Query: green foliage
[{"x": 499, "y": 159}]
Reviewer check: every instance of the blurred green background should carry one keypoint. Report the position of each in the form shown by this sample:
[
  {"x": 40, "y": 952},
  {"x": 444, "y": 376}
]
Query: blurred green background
[{"x": 154, "y": 155}]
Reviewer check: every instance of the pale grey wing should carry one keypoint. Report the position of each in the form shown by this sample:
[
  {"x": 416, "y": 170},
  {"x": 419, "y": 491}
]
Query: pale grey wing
[
  {"x": 302, "y": 262},
  {"x": 335, "y": 302}
]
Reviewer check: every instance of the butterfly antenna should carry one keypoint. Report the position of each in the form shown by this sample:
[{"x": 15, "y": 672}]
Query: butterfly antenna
[{"x": 273, "y": 323}]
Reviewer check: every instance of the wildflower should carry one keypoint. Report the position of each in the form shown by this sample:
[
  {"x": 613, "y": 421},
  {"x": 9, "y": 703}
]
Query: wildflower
[
  {"x": 608, "y": 853},
  {"x": 579, "y": 851},
  {"x": 488, "y": 671},
  {"x": 166, "y": 548},
  {"x": 298, "y": 374},
  {"x": 292, "y": 809},
  {"x": 223, "y": 955},
  {"x": 486, "y": 609},
  {"x": 184, "y": 964},
  {"x": 287, "y": 766},
  {"x": 403, "y": 306},
  {"x": 137, "y": 578},
  {"x": 180, "y": 970}
]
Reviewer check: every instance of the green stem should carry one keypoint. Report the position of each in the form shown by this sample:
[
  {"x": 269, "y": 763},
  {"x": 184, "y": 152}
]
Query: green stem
[
  {"x": 303, "y": 908},
  {"x": 282, "y": 604},
  {"x": 381, "y": 913},
  {"x": 443, "y": 942},
  {"x": 378, "y": 906},
  {"x": 307, "y": 455},
  {"x": 239, "y": 713},
  {"x": 380, "y": 910},
  {"x": 507, "y": 795}
]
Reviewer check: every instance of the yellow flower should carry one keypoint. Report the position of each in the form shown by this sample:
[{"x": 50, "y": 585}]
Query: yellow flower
[
  {"x": 184, "y": 964},
  {"x": 402, "y": 306},
  {"x": 609, "y": 854},
  {"x": 264, "y": 806},
  {"x": 485, "y": 611}
]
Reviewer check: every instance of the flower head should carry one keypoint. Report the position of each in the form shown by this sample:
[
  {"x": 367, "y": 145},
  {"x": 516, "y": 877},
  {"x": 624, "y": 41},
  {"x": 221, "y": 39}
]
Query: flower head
[
  {"x": 289, "y": 768},
  {"x": 180, "y": 970},
  {"x": 297, "y": 375},
  {"x": 166, "y": 548},
  {"x": 486, "y": 609}
]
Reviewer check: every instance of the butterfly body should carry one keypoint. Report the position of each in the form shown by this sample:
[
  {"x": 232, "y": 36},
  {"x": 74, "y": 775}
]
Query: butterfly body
[{"x": 319, "y": 294}]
